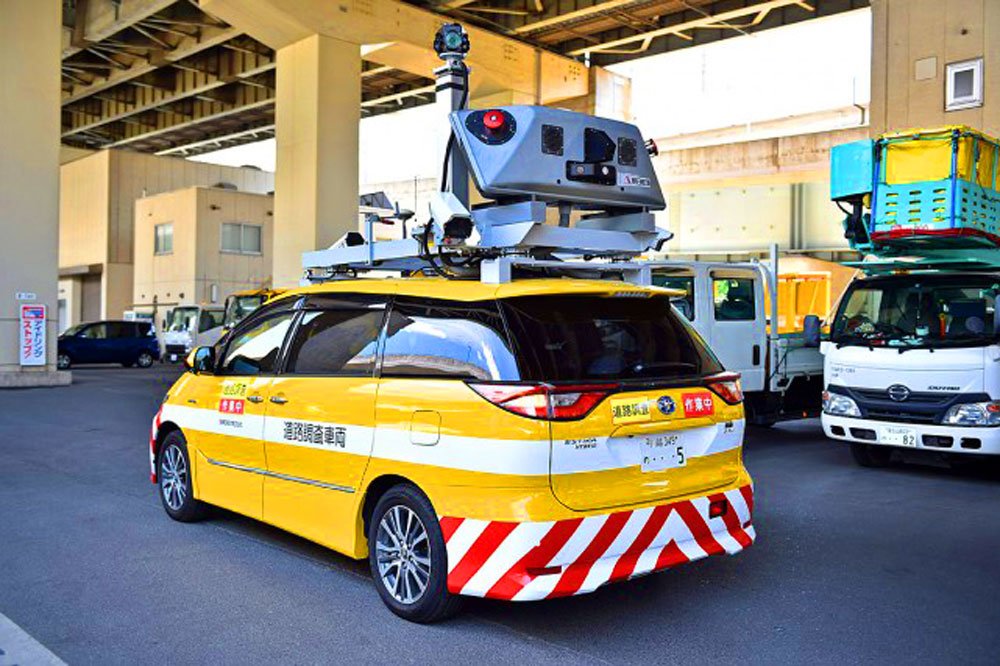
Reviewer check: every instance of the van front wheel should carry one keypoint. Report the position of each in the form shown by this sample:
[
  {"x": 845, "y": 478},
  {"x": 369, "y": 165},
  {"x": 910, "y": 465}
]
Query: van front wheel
[{"x": 408, "y": 558}]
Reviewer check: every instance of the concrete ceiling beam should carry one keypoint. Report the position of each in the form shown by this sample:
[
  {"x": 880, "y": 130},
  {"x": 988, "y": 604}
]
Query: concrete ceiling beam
[
  {"x": 102, "y": 18},
  {"x": 399, "y": 35}
]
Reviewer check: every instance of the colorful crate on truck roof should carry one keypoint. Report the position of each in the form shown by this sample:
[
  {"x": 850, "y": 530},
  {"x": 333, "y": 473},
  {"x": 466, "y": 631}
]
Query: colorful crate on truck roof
[{"x": 936, "y": 187}]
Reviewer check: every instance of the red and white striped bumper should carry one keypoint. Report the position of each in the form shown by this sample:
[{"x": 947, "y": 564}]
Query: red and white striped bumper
[
  {"x": 539, "y": 560},
  {"x": 153, "y": 432}
]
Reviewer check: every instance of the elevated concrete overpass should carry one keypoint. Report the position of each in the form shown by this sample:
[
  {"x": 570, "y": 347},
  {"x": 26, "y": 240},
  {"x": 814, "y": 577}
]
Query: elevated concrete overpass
[{"x": 179, "y": 77}]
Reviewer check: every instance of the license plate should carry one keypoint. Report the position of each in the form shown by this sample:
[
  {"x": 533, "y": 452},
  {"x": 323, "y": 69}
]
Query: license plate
[
  {"x": 898, "y": 436},
  {"x": 661, "y": 452},
  {"x": 173, "y": 358}
]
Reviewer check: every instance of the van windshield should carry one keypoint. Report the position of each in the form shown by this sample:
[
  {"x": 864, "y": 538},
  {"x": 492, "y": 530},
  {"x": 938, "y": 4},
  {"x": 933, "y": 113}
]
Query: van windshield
[
  {"x": 614, "y": 337},
  {"x": 912, "y": 312}
]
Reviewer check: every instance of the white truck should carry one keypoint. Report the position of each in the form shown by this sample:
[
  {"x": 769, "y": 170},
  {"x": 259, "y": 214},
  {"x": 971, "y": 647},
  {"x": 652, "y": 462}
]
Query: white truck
[
  {"x": 727, "y": 303},
  {"x": 190, "y": 326},
  {"x": 913, "y": 361}
]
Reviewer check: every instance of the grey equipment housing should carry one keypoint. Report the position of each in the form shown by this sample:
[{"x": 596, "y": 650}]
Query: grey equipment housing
[{"x": 556, "y": 156}]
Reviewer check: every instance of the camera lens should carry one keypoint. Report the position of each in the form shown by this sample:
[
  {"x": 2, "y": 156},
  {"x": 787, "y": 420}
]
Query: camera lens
[{"x": 453, "y": 40}]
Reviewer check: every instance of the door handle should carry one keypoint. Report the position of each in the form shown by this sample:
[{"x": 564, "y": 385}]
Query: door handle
[
  {"x": 255, "y": 398},
  {"x": 278, "y": 400}
]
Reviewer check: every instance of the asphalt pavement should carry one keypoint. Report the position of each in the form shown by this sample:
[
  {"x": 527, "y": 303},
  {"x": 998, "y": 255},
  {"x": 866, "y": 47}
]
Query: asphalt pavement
[{"x": 851, "y": 565}]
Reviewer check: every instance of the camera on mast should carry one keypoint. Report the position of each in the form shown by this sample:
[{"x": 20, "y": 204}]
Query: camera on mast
[{"x": 451, "y": 42}]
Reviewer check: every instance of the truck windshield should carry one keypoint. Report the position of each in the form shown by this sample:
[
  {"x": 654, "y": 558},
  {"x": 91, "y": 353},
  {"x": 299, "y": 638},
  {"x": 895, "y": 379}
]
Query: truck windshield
[
  {"x": 912, "y": 311},
  {"x": 618, "y": 337},
  {"x": 238, "y": 307},
  {"x": 182, "y": 319}
]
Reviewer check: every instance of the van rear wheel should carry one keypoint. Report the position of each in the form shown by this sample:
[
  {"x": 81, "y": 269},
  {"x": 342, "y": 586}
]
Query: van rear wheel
[
  {"x": 408, "y": 558},
  {"x": 870, "y": 455}
]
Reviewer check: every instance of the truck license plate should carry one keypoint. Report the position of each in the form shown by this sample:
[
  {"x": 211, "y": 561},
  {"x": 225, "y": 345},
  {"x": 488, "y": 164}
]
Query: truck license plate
[
  {"x": 661, "y": 452},
  {"x": 898, "y": 436}
]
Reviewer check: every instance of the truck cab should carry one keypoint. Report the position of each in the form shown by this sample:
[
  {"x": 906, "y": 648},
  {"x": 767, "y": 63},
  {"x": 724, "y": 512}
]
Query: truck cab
[
  {"x": 190, "y": 326},
  {"x": 913, "y": 362},
  {"x": 728, "y": 304},
  {"x": 239, "y": 304}
]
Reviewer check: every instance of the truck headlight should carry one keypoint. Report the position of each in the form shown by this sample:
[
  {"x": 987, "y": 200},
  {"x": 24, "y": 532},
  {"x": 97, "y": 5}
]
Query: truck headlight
[
  {"x": 839, "y": 405},
  {"x": 974, "y": 414}
]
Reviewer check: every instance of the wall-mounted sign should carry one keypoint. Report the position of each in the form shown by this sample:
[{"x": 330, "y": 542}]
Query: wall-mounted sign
[
  {"x": 32, "y": 337},
  {"x": 25, "y": 296}
]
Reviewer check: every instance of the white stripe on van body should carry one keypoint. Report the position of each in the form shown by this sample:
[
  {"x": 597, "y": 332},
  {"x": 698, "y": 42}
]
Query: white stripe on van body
[{"x": 520, "y": 457}]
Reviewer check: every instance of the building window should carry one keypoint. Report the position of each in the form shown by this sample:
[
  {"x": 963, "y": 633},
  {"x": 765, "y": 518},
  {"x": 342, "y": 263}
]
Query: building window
[
  {"x": 163, "y": 235},
  {"x": 964, "y": 85},
  {"x": 241, "y": 238}
]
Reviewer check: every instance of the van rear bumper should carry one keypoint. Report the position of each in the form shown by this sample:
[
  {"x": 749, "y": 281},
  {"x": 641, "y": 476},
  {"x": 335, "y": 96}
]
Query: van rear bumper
[{"x": 527, "y": 561}]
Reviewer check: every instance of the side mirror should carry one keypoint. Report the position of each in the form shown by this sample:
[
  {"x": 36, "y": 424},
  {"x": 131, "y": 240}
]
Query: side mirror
[
  {"x": 811, "y": 330},
  {"x": 201, "y": 360}
]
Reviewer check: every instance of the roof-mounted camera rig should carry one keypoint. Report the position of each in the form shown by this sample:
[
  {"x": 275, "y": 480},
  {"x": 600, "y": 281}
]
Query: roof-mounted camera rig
[{"x": 565, "y": 189}]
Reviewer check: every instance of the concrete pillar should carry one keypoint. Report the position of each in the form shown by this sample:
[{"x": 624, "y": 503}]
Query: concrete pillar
[
  {"x": 30, "y": 42},
  {"x": 318, "y": 108}
]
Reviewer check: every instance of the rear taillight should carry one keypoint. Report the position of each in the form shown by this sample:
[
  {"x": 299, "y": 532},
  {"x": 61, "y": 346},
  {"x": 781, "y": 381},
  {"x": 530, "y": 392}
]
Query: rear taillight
[
  {"x": 544, "y": 401},
  {"x": 526, "y": 400},
  {"x": 727, "y": 387}
]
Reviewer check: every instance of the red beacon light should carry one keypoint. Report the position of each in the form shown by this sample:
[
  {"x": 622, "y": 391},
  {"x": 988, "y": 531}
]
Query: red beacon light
[{"x": 494, "y": 120}]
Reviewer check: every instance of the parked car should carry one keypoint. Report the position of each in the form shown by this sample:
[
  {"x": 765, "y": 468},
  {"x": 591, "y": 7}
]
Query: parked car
[
  {"x": 126, "y": 342},
  {"x": 537, "y": 439}
]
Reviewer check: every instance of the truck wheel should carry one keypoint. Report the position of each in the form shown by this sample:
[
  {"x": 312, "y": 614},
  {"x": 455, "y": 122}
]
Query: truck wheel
[
  {"x": 869, "y": 455},
  {"x": 175, "y": 483},
  {"x": 407, "y": 556}
]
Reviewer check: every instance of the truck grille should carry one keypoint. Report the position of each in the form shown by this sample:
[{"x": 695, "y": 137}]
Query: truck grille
[{"x": 919, "y": 407}]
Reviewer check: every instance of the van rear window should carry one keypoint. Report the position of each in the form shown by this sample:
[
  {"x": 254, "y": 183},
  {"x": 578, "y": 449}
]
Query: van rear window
[{"x": 604, "y": 338}]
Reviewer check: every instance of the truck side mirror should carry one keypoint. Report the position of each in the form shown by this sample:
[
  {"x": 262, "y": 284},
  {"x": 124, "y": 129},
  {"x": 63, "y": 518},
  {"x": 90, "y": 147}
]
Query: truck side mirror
[
  {"x": 811, "y": 330},
  {"x": 200, "y": 361}
]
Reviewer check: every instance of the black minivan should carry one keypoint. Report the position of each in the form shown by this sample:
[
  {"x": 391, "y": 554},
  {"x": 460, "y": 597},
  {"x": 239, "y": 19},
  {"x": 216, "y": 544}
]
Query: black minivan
[{"x": 126, "y": 342}]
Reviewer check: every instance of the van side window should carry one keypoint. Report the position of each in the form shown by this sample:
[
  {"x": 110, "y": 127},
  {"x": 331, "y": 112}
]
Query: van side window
[
  {"x": 95, "y": 332},
  {"x": 255, "y": 350},
  {"x": 448, "y": 340},
  {"x": 734, "y": 299},
  {"x": 118, "y": 329},
  {"x": 336, "y": 342}
]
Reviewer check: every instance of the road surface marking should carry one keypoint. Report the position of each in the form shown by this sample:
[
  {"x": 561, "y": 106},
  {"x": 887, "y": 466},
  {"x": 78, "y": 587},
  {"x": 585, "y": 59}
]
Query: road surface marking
[{"x": 17, "y": 647}]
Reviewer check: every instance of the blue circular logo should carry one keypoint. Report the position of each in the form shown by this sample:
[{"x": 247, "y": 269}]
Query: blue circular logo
[{"x": 666, "y": 405}]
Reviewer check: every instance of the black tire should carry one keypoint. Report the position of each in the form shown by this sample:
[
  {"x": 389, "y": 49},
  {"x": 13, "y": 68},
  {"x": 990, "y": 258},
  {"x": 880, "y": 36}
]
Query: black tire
[
  {"x": 435, "y": 603},
  {"x": 144, "y": 360},
  {"x": 63, "y": 361},
  {"x": 870, "y": 455},
  {"x": 179, "y": 502}
]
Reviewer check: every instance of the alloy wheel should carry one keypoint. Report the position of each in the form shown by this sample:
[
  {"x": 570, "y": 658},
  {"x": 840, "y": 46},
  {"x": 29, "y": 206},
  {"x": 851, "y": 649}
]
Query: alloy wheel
[
  {"x": 174, "y": 476},
  {"x": 402, "y": 551}
]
